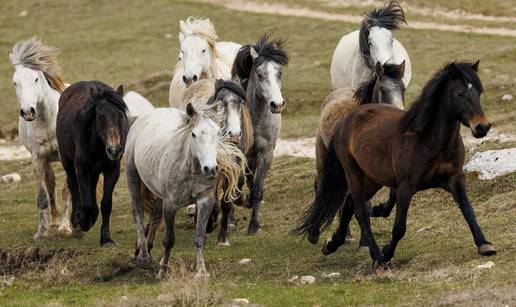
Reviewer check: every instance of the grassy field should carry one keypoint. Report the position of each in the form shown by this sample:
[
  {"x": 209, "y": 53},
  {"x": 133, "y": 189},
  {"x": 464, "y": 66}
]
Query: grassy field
[{"x": 124, "y": 42}]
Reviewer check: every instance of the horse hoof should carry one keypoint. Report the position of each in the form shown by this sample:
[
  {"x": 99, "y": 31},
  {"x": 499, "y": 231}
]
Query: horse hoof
[
  {"x": 224, "y": 243},
  {"x": 232, "y": 227},
  {"x": 313, "y": 239},
  {"x": 349, "y": 238},
  {"x": 254, "y": 230},
  {"x": 325, "y": 250},
  {"x": 486, "y": 250},
  {"x": 78, "y": 234},
  {"x": 191, "y": 211},
  {"x": 202, "y": 275},
  {"x": 162, "y": 274},
  {"x": 40, "y": 235},
  {"x": 64, "y": 229},
  {"x": 364, "y": 249},
  {"x": 108, "y": 244}
]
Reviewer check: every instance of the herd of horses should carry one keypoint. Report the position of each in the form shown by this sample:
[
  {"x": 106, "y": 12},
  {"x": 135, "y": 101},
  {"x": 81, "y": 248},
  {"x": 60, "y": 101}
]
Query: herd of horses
[{"x": 220, "y": 129}]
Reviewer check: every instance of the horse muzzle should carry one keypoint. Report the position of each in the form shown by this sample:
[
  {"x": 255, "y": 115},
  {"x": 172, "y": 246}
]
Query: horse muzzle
[
  {"x": 28, "y": 115},
  {"x": 277, "y": 108},
  {"x": 479, "y": 126},
  {"x": 210, "y": 171},
  {"x": 234, "y": 137},
  {"x": 114, "y": 152}
]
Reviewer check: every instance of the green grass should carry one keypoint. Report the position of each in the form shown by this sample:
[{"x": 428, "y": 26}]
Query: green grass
[{"x": 124, "y": 42}]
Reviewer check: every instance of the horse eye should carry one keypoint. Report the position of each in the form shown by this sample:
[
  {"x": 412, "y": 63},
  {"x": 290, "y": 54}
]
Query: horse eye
[
  {"x": 204, "y": 51},
  {"x": 193, "y": 134},
  {"x": 36, "y": 80},
  {"x": 460, "y": 94},
  {"x": 15, "y": 83},
  {"x": 370, "y": 44}
]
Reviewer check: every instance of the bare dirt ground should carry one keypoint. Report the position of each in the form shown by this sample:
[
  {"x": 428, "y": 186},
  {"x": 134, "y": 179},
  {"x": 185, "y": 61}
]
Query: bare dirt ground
[{"x": 285, "y": 10}]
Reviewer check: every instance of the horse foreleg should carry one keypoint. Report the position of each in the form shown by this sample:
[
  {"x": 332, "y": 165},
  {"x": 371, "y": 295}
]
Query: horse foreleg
[
  {"x": 169, "y": 215},
  {"x": 88, "y": 212},
  {"x": 42, "y": 198},
  {"x": 403, "y": 198},
  {"x": 204, "y": 208},
  {"x": 64, "y": 224},
  {"x": 226, "y": 209},
  {"x": 110, "y": 180},
  {"x": 262, "y": 167},
  {"x": 50, "y": 182},
  {"x": 133, "y": 186},
  {"x": 458, "y": 189}
]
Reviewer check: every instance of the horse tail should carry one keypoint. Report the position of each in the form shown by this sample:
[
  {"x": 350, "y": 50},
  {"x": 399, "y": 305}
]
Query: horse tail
[{"x": 331, "y": 190}]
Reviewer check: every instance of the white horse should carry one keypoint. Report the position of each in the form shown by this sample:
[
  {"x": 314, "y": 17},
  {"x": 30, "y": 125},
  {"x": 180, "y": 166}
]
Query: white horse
[
  {"x": 358, "y": 52},
  {"x": 200, "y": 57},
  {"x": 136, "y": 105},
  {"x": 176, "y": 155},
  {"x": 38, "y": 87}
]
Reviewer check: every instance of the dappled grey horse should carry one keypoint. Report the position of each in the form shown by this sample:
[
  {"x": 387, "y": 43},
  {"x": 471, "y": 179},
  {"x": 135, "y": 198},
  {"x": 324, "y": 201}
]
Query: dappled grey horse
[{"x": 258, "y": 67}]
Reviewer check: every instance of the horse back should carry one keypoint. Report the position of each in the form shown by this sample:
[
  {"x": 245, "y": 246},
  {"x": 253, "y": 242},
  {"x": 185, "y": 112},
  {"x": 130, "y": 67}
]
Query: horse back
[{"x": 333, "y": 110}]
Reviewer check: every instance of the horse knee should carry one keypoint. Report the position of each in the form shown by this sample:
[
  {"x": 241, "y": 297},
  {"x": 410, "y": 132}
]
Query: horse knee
[{"x": 42, "y": 201}]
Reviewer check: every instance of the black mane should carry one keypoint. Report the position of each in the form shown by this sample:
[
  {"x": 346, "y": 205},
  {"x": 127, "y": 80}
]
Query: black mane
[
  {"x": 231, "y": 86},
  {"x": 102, "y": 95},
  {"x": 389, "y": 17},
  {"x": 364, "y": 93},
  {"x": 268, "y": 50},
  {"x": 423, "y": 109}
]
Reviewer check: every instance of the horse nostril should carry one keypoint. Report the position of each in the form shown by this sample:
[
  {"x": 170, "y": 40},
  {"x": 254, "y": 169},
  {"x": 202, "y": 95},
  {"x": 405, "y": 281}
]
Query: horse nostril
[
  {"x": 195, "y": 78},
  {"x": 206, "y": 169},
  {"x": 22, "y": 114},
  {"x": 184, "y": 79},
  {"x": 283, "y": 103},
  {"x": 32, "y": 110},
  {"x": 273, "y": 105}
]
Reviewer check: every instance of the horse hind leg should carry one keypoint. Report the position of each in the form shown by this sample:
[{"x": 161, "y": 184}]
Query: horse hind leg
[
  {"x": 340, "y": 236},
  {"x": 169, "y": 214},
  {"x": 64, "y": 224},
  {"x": 226, "y": 209}
]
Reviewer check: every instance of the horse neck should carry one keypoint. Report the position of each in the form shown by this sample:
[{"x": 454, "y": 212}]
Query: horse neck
[
  {"x": 258, "y": 106},
  {"x": 48, "y": 107},
  {"x": 444, "y": 130}
]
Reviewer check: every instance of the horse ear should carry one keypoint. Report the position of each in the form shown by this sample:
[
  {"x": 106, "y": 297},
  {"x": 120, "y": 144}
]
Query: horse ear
[
  {"x": 190, "y": 110},
  {"x": 452, "y": 69},
  {"x": 402, "y": 68},
  {"x": 120, "y": 90},
  {"x": 253, "y": 53},
  {"x": 378, "y": 69},
  {"x": 475, "y": 66},
  {"x": 182, "y": 26}
]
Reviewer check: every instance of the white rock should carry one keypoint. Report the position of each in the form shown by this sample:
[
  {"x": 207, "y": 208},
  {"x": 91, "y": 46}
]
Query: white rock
[
  {"x": 14, "y": 177},
  {"x": 307, "y": 280},
  {"x": 240, "y": 301},
  {"x": 423, "y": 229},
  {"x": 486, "y": 265},
  {"x": 293, "y": 279},
  {"x": 8, "y": 153},
  {"x": 23, "y": 13},
  {"x": 8, "y": 281},
  {"x": 507, "y": 97},
  {"x": 492, "y": 163},
  {"x": 245, "y": 261},
  {"x": 331, "y": 275}
]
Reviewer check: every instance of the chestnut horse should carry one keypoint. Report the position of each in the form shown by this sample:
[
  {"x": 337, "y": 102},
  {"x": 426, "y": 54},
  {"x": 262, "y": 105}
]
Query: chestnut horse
[
  {"x": 409, "y": 151},
  {"x": 91, "y": 131}
]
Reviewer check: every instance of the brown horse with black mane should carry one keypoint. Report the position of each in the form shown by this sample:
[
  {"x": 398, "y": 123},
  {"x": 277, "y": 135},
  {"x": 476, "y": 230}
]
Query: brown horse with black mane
[
  {"x": 409, "y": 151},
  {"x": 91, "y": 130}
]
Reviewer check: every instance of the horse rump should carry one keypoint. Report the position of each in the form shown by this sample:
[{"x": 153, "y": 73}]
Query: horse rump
[{"x": 331, "y": 190}]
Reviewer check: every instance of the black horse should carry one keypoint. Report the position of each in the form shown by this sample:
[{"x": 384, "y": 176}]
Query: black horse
[{"x": 91, "y": 130}]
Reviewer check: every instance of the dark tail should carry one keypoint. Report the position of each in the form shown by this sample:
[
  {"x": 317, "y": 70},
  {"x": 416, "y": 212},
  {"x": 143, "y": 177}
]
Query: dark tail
[{"x": 330, "y": 193}]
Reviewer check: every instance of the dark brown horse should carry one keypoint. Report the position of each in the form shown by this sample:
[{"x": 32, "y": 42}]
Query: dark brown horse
[
  {"x": 91, "y": 130},
  {"x": 409, "y": 151}
]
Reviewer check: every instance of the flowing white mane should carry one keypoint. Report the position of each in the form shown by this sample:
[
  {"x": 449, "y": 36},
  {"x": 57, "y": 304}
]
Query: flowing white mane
[
  {"x": 33, "y": 54},
  {"x": 199, "y": 27}
]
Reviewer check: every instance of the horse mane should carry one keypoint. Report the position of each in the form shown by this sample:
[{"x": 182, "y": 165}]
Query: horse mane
[
  {"x": 231, "y": 86},
  {"x": 104, "y": 95},
  {"x": 203, "y": 28},
  {"x": 364, "y": 93},
  {"x": 33, "y": 54},
  {"x": 424, "y": 108},
  {"x": 267, "y": 49},
  {"x": 390, "y": 17}
]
